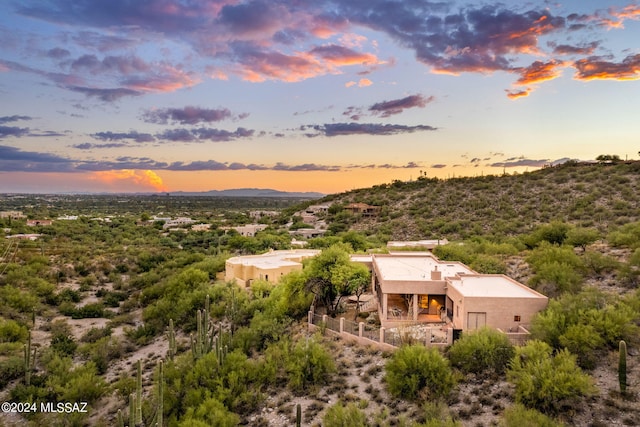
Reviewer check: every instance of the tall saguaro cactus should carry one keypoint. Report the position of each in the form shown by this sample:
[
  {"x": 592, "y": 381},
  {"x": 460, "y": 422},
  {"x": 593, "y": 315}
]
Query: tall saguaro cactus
[
  {"x": 298, "y": 415},
  {"x": 622, "y": 367},
  {"x": 172, "y": 340},
  {"x": 29, "y": 360},
  {"x": 138, "y": 403},
  {"x": 202, "y": 343},
  {"x": 159, "y": 417}
]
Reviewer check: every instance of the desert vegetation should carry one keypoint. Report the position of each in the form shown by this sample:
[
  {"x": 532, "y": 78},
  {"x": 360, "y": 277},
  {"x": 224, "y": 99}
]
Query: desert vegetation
[{"x": 93, "y": 301}]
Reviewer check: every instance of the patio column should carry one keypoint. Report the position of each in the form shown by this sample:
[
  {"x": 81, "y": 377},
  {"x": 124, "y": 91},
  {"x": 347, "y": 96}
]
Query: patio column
[
  {"x": 384, "y": 306},
  {"x": 382, "y": 329},
  {"x": 360, "y": 329},
  {"x": 414, "y": 300},
  {"x": 341, "y": 324}
]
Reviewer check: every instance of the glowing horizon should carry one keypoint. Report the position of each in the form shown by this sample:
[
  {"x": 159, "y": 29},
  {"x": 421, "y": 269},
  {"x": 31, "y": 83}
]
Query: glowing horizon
[{"x": 161, "y": 95}]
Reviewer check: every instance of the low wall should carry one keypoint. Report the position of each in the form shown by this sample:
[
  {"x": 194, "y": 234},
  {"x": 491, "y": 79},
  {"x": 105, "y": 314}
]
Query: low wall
[{"x": 365, "y": 335}]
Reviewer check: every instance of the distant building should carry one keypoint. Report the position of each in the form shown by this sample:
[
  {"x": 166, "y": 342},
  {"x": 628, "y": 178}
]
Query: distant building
[
  {"x": 12, "y": 214},
  {"x": 308, "y": 233},
  {"x": 316, "y": 209},
  {"x": 270, "y": 266},
  {"x": 38, "y": 222},
  {"x": 200, "y": 227},
  {"x": 178, "y": 222},
  {"x": 248, "y": 230},
  {"x": 256, "y": 215},
  {"x": 68, "y": 217},
  {"x": 362, "y": 209},
  {"x": 308, "y": 218}
]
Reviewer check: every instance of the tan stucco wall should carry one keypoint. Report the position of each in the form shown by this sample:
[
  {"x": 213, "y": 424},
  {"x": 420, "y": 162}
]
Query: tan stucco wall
[{"x": 245, "y": 273}]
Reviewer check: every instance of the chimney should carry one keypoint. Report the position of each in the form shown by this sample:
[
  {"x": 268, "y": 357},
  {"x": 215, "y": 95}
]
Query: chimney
[{"x": 435, "y": 274}]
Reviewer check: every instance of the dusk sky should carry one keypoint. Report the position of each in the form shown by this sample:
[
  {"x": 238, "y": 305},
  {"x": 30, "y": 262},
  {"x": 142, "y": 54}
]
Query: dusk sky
[{"x": 308, "y": 95}]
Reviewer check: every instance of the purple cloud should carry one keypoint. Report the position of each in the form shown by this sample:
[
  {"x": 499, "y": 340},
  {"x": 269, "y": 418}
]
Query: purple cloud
[
  {"x": 397, "y": 106},
  {"x": 187, "y": 115},
  {"x": 205, "y": 134},
  {"x": 339, "y": 129},
  {"x": 117, "y": 136},
  {"x": 105, "y": 95},
  {"x": 14, "y": 131},
  {"x": 89, "y": 146},
  {"x": 15, "y": 118}
]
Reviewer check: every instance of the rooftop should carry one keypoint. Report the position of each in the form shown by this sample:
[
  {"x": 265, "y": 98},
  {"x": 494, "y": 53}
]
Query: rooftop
[
  {"x": 275, "y": 259},
  {"x": 416, "y": 266},
  {"x": 492, "y": 285}
]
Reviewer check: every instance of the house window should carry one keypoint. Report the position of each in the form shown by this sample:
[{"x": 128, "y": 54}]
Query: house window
[{"x": 516, "y": 318}]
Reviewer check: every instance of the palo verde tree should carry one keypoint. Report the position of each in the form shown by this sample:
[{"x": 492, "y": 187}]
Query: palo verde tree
[{"x": 331, "y": 276}]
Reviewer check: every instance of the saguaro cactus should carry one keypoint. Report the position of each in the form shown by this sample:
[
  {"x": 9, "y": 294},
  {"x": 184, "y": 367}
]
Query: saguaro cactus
[
  {"x": 132, "y": 409},
  {"x": 298, "y": 415},
  {"x": 138, "y": 405},
  {"x": 202, "y": 342},
  {"x": 120, "y": 418},
  {"x": 160, "y": 394},
  {"x": 29, "y": 360},
  {"x": 622, "y": 366},
  {"x": 172, "y": 340}
]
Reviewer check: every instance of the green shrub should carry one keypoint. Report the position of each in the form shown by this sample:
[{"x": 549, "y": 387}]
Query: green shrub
[
  {"x": 583, "y": 341},
  {"x": 11, "y": 369},
  {"x": 437, "y": 414},
  {"x": 12, "y": 331},
  {"x": 482, "y": 351},
  {"x": 519, "y": 416},
  {"x": 309, "y": 364},
  {"x": 339, "y": 415},
  {"x": 210, "y": 413},
  {"x": 547, "y": 382},
  {"x": 417, "y": 372}
]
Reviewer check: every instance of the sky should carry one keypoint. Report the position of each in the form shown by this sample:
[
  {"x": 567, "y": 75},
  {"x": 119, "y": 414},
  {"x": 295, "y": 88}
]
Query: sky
[{"x": 308, "y": 95}]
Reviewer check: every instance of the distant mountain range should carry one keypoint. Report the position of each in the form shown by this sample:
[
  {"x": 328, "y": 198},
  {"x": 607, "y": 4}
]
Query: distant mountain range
[{"x": 250, "y": 192}]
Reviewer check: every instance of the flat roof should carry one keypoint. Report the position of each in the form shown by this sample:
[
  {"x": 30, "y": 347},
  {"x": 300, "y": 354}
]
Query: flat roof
[
  {"x": 492, "y": 285},
  {"x": 416, "y": 266},
  {"x": 274, "y": 259}
]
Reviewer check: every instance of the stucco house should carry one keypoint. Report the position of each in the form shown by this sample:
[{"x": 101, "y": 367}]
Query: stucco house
[
  {"x": 270, "y": 266},
  {"x": 248, "y": 230},
  {"x": 362, "y": 209},
  {"x": 418, "y": 287}
]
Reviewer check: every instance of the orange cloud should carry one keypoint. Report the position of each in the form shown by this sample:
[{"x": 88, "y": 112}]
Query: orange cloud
[
  {"x": 631, "y": 11},
  {"x": 361, "y": 83},
  {"x": 129, "y": 179},
  {"x": 596, "y": 69},
  {"x": 539, "y": 72},
  {"x": 511, "y": 94}
]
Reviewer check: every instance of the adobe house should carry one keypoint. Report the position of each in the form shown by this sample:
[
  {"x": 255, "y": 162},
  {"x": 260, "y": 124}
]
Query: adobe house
[
  {"x": 270, "y": 266},
  {"x": 418, "y": 287},
  {"x": 362, "y": 209}
]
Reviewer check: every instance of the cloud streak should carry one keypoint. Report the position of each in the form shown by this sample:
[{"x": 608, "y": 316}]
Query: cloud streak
[
  {"x": 342, "y": 129},
  {"x": 189, "y": 115}
]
